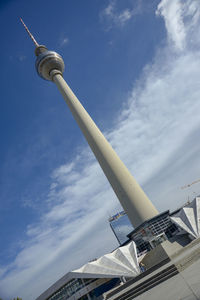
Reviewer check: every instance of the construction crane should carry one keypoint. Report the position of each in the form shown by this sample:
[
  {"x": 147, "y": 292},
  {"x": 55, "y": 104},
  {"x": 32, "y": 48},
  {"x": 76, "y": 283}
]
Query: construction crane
[{"x": 188, "y": 185}]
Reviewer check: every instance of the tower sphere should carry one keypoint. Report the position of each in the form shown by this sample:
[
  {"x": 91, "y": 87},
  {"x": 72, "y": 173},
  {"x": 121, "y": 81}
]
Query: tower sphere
[{"x": 47, "y": 61}]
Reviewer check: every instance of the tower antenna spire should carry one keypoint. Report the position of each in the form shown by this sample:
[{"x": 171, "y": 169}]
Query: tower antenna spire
[{"x": 31, "y": 36}]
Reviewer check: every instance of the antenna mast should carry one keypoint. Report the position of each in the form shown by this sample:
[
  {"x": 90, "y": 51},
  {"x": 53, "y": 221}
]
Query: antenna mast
[{"x": 31, "y": 36}]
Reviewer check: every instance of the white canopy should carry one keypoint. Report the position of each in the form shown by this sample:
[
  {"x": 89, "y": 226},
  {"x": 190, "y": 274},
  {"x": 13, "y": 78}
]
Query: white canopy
[
  {"x": 188, "y": 218},
  {"x": 121, "y": 262}
]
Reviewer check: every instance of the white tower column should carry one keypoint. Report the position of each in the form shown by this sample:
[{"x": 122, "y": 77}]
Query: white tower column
[{"x": 132, "y": 198}]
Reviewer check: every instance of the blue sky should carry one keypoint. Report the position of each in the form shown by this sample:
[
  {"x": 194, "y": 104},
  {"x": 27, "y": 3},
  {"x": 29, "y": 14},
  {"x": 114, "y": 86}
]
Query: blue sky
[{"x": 135, "y": 66}]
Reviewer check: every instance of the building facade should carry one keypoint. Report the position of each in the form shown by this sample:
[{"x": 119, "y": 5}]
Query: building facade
[
  {"x": 95, "y": 278},
  {"x": 121, "y": 226},
  {"x": 153, "y": 232},
  {"x": 82, "y": 289}
]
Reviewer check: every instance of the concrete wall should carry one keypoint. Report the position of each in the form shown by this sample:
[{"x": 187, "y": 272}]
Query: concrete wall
[{"x": 163, "y": 251}]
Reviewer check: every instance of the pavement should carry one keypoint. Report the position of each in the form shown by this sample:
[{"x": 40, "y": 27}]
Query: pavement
[{"x": 185, "y": 285}]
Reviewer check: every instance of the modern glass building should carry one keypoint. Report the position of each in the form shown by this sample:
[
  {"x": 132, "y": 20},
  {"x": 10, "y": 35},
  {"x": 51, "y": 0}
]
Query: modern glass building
[
  {"x": 69, "y": 288},
  {"x": 105, "y": 274},
  {"x": 95, "y": 278},
  {"x": 121, "y": 226},
  {"x": 153, "y": 232},
  {"x": 147, "y": 235},
  {"x": 84, "y": 289}
]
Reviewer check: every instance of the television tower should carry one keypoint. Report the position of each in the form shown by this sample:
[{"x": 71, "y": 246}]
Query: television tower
[{"x": 50, "y": 66}]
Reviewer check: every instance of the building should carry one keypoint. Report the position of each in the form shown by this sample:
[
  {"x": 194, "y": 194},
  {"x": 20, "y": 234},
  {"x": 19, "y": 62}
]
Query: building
[
  {"x": 121, "y": 226},
  {"x": 78, "y": 288},
  {"x": 147, "y": 235},
  {"x": 172, "y": 261},
  {"x": 95, "y": 278},
  {"x": 170, "y": 248},
  {"x": 153, "y": 232}
]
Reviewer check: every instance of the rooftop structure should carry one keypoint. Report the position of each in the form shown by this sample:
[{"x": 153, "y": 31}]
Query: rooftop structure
[{"x": 188, "y": 218}]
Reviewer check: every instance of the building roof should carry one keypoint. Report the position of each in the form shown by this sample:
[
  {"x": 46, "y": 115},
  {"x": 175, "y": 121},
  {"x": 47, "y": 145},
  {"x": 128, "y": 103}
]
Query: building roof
[
  {"x": 121, "y": 262},
  {"x": 188, "y": 218}
]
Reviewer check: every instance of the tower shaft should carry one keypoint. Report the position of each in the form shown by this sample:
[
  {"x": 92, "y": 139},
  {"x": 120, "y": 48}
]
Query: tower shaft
[
  {"x": 131, "y": 196},
  {"x": 139, "y": 208}
]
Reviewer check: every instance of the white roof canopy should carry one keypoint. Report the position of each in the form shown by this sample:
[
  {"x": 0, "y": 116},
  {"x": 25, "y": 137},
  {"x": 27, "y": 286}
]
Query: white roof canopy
[
  {"x": 121, "y": 262},
  {"x": 188, "y": 218}
]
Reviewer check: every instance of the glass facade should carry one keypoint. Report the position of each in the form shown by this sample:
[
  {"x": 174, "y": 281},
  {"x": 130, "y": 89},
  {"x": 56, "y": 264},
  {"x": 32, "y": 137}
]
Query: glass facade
[
  {"x": 96, "y": 294},
  {"x": 151, "y": 232},
  {"x": 147, "y": 235},
  {"x": 76, "y": 284},
  {"x": 121, "y": 226},
  {"x": 71, "y": 288}
]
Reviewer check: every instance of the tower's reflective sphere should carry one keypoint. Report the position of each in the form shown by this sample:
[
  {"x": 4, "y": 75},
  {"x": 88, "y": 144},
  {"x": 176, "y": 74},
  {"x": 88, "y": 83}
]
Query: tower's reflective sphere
[{"x": 47, "y": 61}]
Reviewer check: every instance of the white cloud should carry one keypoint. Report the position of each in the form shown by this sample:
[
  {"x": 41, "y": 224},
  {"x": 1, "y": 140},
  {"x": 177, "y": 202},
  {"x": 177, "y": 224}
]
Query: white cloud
[
  {"x": 21, "y": 57},
  {"x": 115, "y": 17},
  {"x": 26, "y": 202},
  {"x": 156, "y": 134},
  {"x": 181, "y": 18},
  {"x": 109, "y": 10},
  {"x": 64, "y": 41},
  {"x": 124, "y": 16},
  {"x": 172, "y": 13}
]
